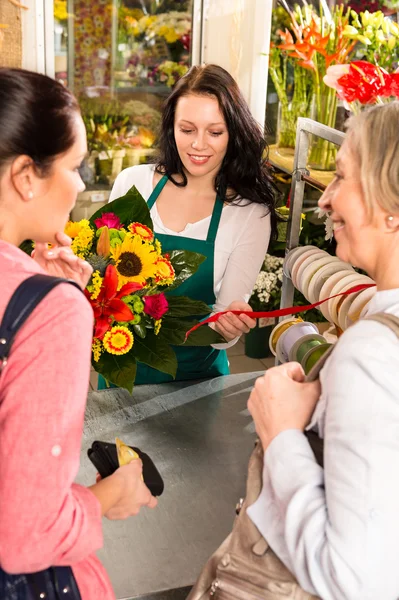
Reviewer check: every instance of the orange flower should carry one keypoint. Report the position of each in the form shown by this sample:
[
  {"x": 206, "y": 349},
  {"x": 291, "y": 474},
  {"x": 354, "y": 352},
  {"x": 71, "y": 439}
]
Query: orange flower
[
  {"x": 165, "y": 272},
  {"x": 119, "y": 340},
  {"x": 143, "y": 231}
]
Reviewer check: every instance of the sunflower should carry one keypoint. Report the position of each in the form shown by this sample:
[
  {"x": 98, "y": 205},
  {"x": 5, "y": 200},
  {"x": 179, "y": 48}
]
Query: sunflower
[{"x": 135, "y": 261}]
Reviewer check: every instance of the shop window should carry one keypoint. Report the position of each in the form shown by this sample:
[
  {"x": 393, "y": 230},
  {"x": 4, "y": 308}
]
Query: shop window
[{"x": 121, "y": 58}]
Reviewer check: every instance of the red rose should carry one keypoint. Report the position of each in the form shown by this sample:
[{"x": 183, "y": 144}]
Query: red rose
[{"x": 155, "y": 306}]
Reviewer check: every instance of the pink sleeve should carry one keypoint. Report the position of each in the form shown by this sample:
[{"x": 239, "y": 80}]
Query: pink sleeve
[{"x": 45, "y": 519}]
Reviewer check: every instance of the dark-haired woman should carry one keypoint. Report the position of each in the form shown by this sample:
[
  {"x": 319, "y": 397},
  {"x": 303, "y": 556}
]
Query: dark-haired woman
[
  {"x": 45, "y": 519},
  {"x": 209, "y": 192}
]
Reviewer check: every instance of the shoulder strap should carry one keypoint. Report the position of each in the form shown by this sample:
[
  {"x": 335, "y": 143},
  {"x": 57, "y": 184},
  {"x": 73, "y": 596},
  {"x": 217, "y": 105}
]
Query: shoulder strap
[
  {"x": 387, "y": 319},
  {"x": 22, "y": 303}
]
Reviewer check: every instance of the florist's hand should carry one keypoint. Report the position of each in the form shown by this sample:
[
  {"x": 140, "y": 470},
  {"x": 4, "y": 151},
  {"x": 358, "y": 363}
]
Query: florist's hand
[
  {"x": 231, "y": 326},
  {"x": 134, "y": 492},
  {"x": 282, "y": 400},
  {"x": 60, "y": 261}
]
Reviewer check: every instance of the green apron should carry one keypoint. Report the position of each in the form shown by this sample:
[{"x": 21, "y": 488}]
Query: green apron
[{"x": 194, "y": 362}]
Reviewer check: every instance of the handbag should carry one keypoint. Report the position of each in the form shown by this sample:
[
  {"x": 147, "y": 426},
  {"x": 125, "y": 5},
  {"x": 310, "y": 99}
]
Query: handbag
[
  {"x": 244, "y": 567},
  {"x": 54, "y": 583}
]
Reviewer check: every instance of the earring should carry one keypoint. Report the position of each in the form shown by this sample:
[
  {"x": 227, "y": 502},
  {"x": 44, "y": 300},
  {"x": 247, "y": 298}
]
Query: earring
[{"x": 30, "y": 194}]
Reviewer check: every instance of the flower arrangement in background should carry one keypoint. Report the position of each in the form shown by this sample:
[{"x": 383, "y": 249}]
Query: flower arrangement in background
[
  {"x": 378, "y": 36},
  {"x": 168, "y": 72},
  {"x": 171, "y": 26},
  {"x": 315, "y": 42},
  {"x": 135, "y": 317},
  {"x": 267, "y": 289},
  {"x": 360, "y": 82}
]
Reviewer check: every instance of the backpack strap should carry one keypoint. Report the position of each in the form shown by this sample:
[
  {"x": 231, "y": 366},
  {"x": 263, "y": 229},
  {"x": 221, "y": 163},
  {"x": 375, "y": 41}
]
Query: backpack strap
[
  {"x": 387, "y": 319},
  {"x": 21, "y": 305}
]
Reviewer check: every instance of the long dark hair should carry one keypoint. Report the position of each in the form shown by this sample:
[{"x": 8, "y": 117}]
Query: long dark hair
[
  {"x": 244, "y": 168},
  {"x": 36, "y": 118}
]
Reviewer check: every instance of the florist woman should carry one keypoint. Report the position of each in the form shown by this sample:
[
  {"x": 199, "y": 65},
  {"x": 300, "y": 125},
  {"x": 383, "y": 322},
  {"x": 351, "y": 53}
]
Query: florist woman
[{"x": 209, "y": 192}]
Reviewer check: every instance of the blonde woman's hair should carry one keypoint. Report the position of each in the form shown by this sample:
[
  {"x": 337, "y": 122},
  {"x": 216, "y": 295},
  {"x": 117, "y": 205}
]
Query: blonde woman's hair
[{"x": 373, "y": 139}]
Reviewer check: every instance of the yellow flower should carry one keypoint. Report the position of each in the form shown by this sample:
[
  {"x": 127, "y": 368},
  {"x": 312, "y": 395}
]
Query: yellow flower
[
  {"x": 157, "y": 326},
  {"x": 135, "y": 260},
  {"x": 95, "y": 286},
  {"x": 97, "y": 349},
  {"x": 73, "y": 228},
  {"x": 391, "y": 42},
  {"x": 158, "y": 247},
  {"x": 82, "y": 236},
  {"x": 60, "y": 10},
  {"x": 119, "y": 340}
]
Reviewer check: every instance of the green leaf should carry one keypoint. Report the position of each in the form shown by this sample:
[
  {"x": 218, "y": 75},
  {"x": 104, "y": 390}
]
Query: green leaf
[
  {"x": 204, "y": 336},
  {"x": 140, "y": 330},
  {"x": 156, "y": 352},
  {"x": 185, "y": 264},
  {"x": 130, "y": 208},
  {"x": 119, "y": 370},
  {"x": 182, "y": 306},
  {"x": 173, "y": 331}
]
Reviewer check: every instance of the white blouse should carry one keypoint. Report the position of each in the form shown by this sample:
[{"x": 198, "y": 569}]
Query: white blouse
[
  {"x": 241, "y": 241},
  {"x": 337, "y": 529}
]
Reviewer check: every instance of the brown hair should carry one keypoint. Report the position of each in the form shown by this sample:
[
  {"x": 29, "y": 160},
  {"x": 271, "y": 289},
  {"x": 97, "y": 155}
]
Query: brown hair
[{"x": 244, "y": 168}]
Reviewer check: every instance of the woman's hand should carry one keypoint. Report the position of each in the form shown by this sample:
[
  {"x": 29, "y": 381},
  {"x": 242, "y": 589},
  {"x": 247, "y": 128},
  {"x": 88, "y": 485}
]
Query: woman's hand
[
  {"x": 134, "y": 493},
  {"x": 60, "y": 261},
  {"x": 281, "y": 400},
  {"x": 231, "y": 326}
]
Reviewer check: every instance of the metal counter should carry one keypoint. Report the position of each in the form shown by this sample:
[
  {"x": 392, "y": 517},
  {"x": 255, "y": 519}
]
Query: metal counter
[{"x": 200, "y": 436}]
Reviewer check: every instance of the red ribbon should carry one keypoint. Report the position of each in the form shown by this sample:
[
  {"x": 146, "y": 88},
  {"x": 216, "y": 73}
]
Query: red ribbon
[{"x": 281, "y": 312}]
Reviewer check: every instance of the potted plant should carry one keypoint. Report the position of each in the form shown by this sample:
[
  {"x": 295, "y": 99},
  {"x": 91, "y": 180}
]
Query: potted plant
[{"x": 265, "y": 297}]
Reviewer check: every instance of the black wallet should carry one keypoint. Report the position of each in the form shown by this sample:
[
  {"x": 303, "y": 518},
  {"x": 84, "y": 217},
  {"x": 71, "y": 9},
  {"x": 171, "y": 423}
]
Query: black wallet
[{"x": 104, "y": 457}]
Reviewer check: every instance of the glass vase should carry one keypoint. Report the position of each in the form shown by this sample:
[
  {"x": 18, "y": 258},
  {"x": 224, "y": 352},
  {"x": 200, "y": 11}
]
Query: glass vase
[
  {"x": 322, "y": 153},
  {"x": 289, "y": 111}
]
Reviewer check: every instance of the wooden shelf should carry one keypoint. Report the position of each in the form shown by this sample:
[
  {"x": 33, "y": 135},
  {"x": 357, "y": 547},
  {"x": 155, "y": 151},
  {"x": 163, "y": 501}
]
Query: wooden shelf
[{"x": 283, "y": 159}]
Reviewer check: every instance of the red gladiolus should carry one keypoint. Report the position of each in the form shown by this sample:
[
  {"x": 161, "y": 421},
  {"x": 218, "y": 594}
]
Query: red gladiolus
[
  {"x": 109, "y": 220},
  {"x": 155, "y": 306},
  {"x": 109, "y": 306}
]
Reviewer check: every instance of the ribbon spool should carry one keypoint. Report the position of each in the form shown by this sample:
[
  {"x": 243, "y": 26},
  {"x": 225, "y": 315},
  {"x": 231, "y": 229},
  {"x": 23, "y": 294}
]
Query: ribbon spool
[
  {"x": 313, "y": 355},
  {"x": 358, "y": 306},
  {"x": 308, "y": 261},
  {"x": 311, "y": 271},
  {"x": 304, "y": 344},
  {"x": 313, "y": 252},
  {"x": 278, "y": 330},
  {"x": 292, "y": 256},
  {"x": 334, "y": 307},
  {"x": 290, "y": 336},
  {"x": 321, "y": 276},
  {"x": 347, "y": 282}
]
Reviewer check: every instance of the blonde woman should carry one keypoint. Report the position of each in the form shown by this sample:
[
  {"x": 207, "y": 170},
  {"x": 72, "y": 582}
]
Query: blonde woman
[{"x": 337, "y": 528}]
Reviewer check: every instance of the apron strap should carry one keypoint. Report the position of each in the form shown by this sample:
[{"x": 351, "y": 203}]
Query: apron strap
[
  {"x": 214, "y": 224},
  {"x": 156, "y": 191}
]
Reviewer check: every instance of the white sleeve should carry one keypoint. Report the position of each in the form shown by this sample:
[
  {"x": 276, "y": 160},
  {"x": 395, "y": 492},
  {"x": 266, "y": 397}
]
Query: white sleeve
[
  {"x": 244, "y": 264},
  {"x": 337, "y": 531}
]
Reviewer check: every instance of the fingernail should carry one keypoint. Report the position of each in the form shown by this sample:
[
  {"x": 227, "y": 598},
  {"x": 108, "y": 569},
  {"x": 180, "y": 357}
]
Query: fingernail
[{"x": 50, "y": 253}]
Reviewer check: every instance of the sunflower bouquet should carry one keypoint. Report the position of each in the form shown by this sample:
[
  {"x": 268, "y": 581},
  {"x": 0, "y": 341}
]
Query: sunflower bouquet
[{"x": 137, "y": 318}]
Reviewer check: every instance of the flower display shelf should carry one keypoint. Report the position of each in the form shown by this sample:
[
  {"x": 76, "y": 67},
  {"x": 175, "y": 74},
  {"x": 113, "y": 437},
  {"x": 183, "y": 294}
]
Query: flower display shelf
[
  {"x": 300, "y": 176},
  {"x": 285, "y": 162}
]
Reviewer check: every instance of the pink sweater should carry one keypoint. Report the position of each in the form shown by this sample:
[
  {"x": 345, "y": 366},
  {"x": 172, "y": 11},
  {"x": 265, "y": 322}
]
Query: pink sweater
[{"x": 46, "y": 519}]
